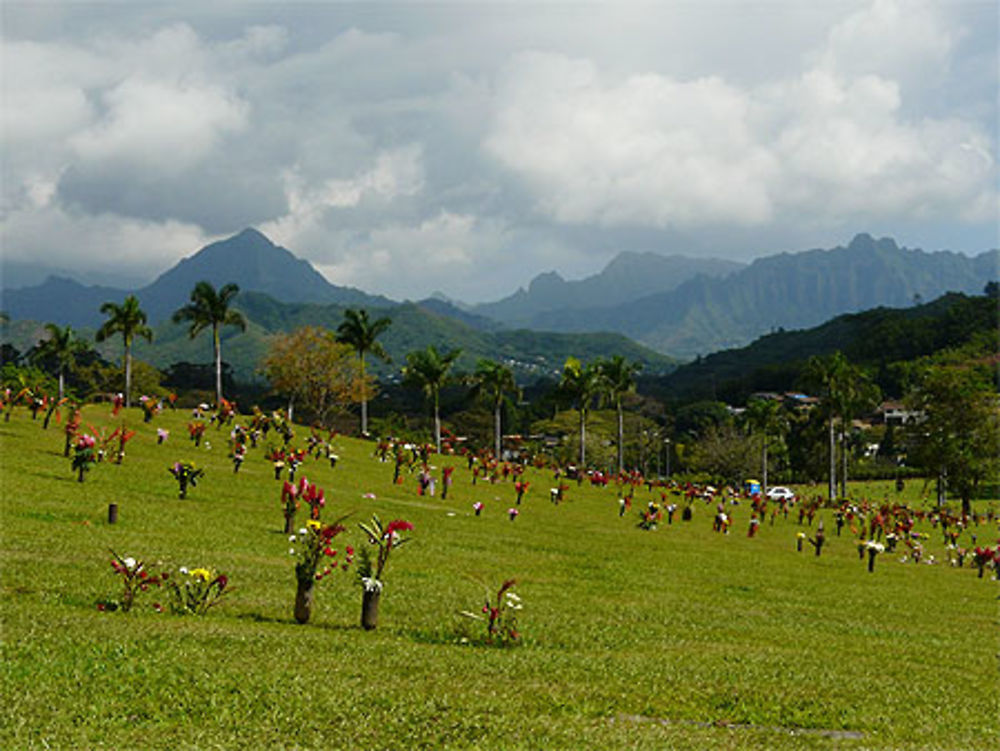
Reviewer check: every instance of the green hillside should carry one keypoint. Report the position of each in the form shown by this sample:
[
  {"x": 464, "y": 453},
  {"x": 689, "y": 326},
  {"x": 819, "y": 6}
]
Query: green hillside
[{"x": 882, "y": 339}]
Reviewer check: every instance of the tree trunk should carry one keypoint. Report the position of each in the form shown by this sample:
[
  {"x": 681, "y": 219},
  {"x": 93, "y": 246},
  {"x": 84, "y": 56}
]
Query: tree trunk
[
  {"x": 369, "y": 608},
  {"x": 128, "y": 375},
  {"x": 291, "y": 408},
  {"x": 497, "y": 434},
  {"x": 218, "y": 366},
  {"x": 304, "y": 600},
  {"x": 583, "y": 439},
  {"x": 833, "y": 464},
  {"x": 437, "y": 426},
  {"x": 364, "y": 397},
  {"x": 62, "y": 383}
]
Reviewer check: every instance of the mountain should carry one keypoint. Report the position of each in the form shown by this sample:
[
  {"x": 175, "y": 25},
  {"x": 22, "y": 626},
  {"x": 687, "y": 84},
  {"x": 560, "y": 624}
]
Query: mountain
[
  {"x": 627, "y": 276},
  {"x": 881, "y": 339},
  {"x": 787, "y": 290},
  {"x": 249, "y": 259}
]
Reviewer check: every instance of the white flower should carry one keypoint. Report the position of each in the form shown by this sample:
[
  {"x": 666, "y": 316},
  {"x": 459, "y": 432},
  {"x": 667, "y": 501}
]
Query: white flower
[
  {"x": 208, "y": 446},
  {"x": 291, "y": 538},
  {"x": 291, "y": 551},
  {"x": 371, "y": 584},
  {"x": 302, "y": 531},
  {"x": 129, "y": 563},
  {"x": 513, "y": 596},
  {"x": 183, "y": 570}
]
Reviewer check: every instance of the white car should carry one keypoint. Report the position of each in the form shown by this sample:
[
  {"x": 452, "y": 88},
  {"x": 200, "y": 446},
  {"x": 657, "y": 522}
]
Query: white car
[{"x": 779, "y": 493}]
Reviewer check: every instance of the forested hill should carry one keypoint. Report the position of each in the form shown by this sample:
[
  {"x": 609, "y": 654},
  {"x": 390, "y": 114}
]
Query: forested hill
[{"x": 881, "y": 339}]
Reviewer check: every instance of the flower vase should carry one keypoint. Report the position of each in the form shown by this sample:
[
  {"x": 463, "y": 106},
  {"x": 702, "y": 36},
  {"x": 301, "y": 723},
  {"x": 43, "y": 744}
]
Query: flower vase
[
  {"x": 80, "y": 470},
  {"x": 369, "y": 608},
  {"x": 289, "y": 524},
  {"x": 304, "y": 600}
]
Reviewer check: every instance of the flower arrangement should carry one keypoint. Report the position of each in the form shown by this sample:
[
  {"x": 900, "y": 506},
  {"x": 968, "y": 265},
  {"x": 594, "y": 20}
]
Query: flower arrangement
[
  {"x": 124, "y": 436},
  {"x": 312, "y": 495},
  {"x": 512, "y": 513},
  {"x": 478, "y": 507},
  {"x": 196, "y": 590},
  {"x": 70, "y": 429},
  {"x": 186, "y": 474},
  {"x": 982, "y": 557},
  {"x": 277, "y": 458},
  {"x": 386, "y": 538},
  {"x": 162, "y": 434},
  {"x": 313, "y": 544},
  {"x": 800, "y": 540},
  {"x": 196, "y": 429},
  {"x": 83, "y": 455},
  {"x": 873, "y": 549},
  {"x": 650, "y": 516},
  {"x": 150, "y": 407},
  {"x": 136, "y": 577},
  {"x": 289, "y": 505},
  {"x": 446, "y": 473},
  {"x": 499, "y": 614},
  {"x": 521, "y": 487}
]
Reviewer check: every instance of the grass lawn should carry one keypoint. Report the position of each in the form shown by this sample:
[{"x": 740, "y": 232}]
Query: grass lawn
[{"x": 675, "y": 638}]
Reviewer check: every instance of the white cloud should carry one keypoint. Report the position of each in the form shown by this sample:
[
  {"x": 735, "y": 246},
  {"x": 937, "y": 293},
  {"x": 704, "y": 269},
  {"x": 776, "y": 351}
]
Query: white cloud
[
  {"x": 650, "y": 150},
  {"x": 161, "y": 126}
]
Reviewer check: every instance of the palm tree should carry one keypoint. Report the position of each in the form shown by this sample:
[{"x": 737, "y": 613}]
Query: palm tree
[
  {"x": 494, "y": 381},
  {"x": 209, "y": 307},
  {"x": 129, "y": 320},
  {"x": 845, "y": 391},
  {"x": 617, "y": 379},
  {"x": 427, "y": 369},
  {"x": 357, "y": 331},
  {"x": 765, "y": 416},
  {"x": 63, "y": 347},
  {"x": 582, "y": 385}
]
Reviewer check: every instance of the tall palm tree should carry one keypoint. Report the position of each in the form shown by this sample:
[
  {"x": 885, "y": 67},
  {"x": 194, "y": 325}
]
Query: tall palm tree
[
  {"x": 62, "y": 346},
  {"x": 129, "y": 320},
  {"x": 210, "y": 308},
  {"x": 361, "y": 333},
  {"x": 427, "y": 369},
  {"x": 845, "y": 391},
  {"x": 765, "y": 416},
  {"x": 582, "y": 384},
  {"x": 618, "y": 379},
  {"x": 494, "y": 381}
]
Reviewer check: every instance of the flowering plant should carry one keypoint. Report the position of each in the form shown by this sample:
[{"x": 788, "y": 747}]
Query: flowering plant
[
  {"x": 650, "y": 516},
  {"x": 196, "y": 430},
  {"x": 196, "y": 590},
  {"x": 386, "y": 538},
  {"x": 136, "y": 577},
  {"x": 83, "y": 455},
  {"x": 499, "y": 614},
  {"x": 313, "y": 495},
  {"x": 313, "y": 543},
  {"x": 150, "y": 407},
  {"x": 187, "y": 474}
]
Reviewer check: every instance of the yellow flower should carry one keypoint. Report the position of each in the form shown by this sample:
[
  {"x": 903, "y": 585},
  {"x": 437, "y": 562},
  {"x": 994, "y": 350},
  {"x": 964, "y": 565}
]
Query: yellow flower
[
  {"x": 313, "y": 524},
  {"x": 201, "y": 573}
]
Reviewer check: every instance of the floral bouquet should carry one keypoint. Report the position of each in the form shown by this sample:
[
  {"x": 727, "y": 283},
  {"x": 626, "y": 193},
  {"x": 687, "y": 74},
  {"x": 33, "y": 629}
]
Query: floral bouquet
[
  {"x": 499, "y": 614},
  {"x": 650, "y": 516},
  {"x": 196, "y": 430},
  {"x": 277, "y": 458},
  {"x": 982, "y": 557},
  {"x": 311, "y": 545},
  {"x": 186, "y": 474},
  {"x": 150, "y": 407},
  {"x": 289, "y": 505},
  {"x": 84, "y": 456},
  {"x": 312, "y": 495},
  {"x": 136, "y": 576},
  {"x": 370, "y": 572},
  {"x": 194, "y": 591},
  {"x": 162, "y": 434}
]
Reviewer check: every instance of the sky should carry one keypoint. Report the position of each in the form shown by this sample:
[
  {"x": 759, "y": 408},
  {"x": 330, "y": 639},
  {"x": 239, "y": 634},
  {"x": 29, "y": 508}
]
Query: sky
[{"x": 464, "y": 148}]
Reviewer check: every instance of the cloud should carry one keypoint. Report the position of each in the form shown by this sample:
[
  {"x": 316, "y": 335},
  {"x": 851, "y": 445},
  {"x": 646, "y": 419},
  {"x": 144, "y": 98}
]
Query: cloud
[{"x": 651, "y": 150}]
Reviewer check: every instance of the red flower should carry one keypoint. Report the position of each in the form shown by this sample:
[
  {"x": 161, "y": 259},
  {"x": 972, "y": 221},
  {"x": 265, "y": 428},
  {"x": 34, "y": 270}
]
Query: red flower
[{"x": 398, "y": 525}]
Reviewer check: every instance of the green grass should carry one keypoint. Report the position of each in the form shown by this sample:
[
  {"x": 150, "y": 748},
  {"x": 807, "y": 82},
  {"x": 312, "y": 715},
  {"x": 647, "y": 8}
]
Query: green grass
[{"x": 677, "y": 638}]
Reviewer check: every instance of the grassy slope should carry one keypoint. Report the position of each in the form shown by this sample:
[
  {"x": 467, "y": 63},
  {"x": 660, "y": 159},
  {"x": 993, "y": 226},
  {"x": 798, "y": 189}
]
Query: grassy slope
[{"x": 633, "y": 639}]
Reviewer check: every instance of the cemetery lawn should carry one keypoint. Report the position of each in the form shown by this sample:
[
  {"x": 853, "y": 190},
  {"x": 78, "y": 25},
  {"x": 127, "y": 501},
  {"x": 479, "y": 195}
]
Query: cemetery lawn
[{"x": 675, "y": 638}]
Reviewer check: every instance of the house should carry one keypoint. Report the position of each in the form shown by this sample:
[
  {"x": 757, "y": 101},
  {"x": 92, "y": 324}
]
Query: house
[{"x": 896, "y": 413}]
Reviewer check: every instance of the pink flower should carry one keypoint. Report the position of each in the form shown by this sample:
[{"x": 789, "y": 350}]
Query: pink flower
[{"x": 398, "y": 525}]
